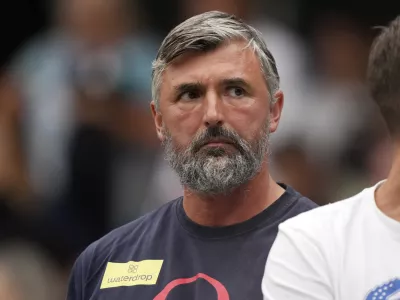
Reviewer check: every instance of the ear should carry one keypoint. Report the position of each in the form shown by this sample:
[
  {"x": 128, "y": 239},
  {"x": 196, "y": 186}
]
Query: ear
[
  {"x": 158, "y": 121},
  {"x": 276, "y": 111}
]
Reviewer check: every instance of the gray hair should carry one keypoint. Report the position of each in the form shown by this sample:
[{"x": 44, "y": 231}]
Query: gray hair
[{"x": 205, "y": 32}]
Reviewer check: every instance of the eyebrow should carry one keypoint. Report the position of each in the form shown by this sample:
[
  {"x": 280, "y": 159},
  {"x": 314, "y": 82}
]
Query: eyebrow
[
  {"x": 183, "y": 87},
  {"x": 236, "y": 81},
  {"x": 189, "y": 86}
]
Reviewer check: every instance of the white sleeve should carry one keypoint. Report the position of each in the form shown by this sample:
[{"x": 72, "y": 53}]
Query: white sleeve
[{"x": 296, "y": 268}]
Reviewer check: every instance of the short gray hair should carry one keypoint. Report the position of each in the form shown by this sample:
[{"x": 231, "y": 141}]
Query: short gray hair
[{"x": 205, "y": 32}]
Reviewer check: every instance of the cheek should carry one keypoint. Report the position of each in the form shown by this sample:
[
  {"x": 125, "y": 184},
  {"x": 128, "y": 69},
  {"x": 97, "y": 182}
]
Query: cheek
[
  {"x": 249, "y": 122},
  {"x": 183, "y": 126}
]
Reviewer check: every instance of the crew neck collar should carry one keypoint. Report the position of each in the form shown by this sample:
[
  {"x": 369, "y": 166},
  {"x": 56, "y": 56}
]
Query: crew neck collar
[{"x": 267, "y": 216}]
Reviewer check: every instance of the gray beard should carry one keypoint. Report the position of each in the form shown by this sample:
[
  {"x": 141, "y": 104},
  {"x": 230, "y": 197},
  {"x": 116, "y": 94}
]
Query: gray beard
[{"x": 215, "y": 171}]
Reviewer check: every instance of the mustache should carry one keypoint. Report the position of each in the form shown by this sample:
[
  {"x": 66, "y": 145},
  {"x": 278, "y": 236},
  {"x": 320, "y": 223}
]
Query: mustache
[{"x": 217, "y": 132}]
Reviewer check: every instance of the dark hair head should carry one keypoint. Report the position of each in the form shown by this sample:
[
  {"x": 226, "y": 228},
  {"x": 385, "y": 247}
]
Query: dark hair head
[{"x": 384, "y": 74}]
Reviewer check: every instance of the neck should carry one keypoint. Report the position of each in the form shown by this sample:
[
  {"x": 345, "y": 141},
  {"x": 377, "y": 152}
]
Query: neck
[
  {"x": 388, "y": 195},
  {"x": 240, "y": 205}
]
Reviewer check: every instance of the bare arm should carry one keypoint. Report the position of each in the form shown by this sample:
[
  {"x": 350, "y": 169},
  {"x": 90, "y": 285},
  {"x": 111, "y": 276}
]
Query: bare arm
[{"x": 13, "y": 171}]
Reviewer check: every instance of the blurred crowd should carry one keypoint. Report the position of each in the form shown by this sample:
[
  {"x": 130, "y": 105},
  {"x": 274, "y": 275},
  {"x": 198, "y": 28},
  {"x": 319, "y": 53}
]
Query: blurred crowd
[{"x": 78, "y": 150}]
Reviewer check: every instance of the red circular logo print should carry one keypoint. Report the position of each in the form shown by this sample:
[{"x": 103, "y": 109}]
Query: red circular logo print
[{"x": 222, "y": 293}]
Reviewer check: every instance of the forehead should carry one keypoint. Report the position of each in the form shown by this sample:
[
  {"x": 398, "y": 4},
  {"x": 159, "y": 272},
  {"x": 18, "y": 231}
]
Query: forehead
[{"x": 231, "y": 59}]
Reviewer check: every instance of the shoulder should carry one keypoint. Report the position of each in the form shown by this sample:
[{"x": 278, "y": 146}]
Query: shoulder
[
  {"x": 332, "y": 218},
  {"x": 127, "y": 235},
  {"x": 309, "y": 250},
  {"x": 302, "y": 202},
  {"x": 309, "y": 247},
  {"x": 298, "y": 203},
  {"x": 40, "y": 51}
]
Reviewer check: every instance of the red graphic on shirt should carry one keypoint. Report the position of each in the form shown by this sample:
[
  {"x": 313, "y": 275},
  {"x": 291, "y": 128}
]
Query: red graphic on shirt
[{"x": 222, "y": 293}]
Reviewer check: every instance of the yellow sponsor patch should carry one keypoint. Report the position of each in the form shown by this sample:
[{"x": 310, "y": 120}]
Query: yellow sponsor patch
[{"x": 131, "y": 273}]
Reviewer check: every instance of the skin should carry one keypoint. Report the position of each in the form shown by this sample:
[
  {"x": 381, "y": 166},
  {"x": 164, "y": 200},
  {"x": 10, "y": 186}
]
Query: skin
[
  {"x": 212, "y": 100},
  {"x": 13, "y": 172},
  {"x": 7, "y": 288},
  {"x": 387, "y": 195}
]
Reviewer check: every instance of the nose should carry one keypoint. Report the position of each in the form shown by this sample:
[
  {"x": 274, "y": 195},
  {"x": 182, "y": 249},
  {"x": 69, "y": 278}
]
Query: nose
[{"x": 213, "y": 115}]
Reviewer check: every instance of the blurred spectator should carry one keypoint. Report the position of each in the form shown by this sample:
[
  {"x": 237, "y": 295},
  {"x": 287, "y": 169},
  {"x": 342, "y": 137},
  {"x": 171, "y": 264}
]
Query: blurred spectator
[
  {"x": 13, "y": 174},
  {"x": 78, "y": 103},
  {"x": 339, "y": 106},
  {"x": 340, "y": 121},
  {"x": 293, "y": 166}
]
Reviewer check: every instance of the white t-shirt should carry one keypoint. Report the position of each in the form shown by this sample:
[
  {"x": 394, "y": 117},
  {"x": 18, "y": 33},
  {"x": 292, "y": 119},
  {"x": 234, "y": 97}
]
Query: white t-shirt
[{"x": 348, "y": 250}]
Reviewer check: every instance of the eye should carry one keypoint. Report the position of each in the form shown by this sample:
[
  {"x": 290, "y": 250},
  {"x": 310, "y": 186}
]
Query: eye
[
  {"x": 236, "y": 92},
  {"x": 189, "y": 95}
]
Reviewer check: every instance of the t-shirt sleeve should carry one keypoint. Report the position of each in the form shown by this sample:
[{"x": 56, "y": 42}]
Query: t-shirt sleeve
[
  {"x": 76, "y": 283},
  {"x": 80, "y": 273},
  {"x": 296, "y": 268}
]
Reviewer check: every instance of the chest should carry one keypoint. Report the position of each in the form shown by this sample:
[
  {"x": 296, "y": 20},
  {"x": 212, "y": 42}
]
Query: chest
[
  {"x": 370, "y": 270},
  {"x": 197, "y": 270}
]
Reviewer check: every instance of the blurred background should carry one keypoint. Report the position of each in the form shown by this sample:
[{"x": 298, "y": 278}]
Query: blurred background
[{"x": 78, "y": 150}]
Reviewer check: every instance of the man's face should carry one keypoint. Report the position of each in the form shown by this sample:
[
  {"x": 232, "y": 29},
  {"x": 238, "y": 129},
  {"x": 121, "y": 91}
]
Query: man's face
[{"x": 214, "y": 118}]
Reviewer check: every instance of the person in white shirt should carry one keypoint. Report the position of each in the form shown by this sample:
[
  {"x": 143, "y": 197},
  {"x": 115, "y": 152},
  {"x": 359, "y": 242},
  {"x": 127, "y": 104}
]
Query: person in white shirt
[{"x": 349, "y": 250}]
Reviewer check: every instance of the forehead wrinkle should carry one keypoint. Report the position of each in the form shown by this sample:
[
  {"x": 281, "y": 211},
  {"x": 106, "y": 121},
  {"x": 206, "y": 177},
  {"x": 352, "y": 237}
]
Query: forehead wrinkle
[
  {"x": 219, "y": 71},
  {"x": 237, "y": 49},
  {"x": 207, "y": 67}
]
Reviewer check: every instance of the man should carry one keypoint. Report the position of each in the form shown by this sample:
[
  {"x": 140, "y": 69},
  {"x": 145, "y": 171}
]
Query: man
[
  {"x": 216, "y": 100},
  {"x": 350, "y": 249}
]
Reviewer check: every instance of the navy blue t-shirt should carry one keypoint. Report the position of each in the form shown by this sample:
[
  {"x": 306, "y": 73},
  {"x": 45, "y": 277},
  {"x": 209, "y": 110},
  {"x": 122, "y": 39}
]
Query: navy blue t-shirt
[{"x": 165, "y": 256}]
